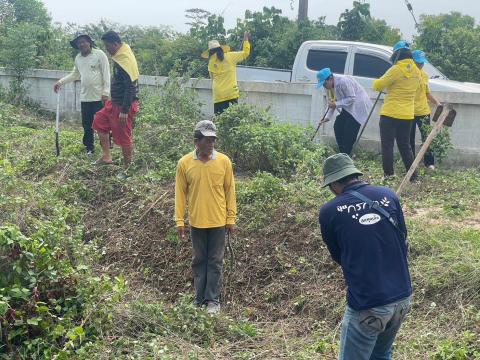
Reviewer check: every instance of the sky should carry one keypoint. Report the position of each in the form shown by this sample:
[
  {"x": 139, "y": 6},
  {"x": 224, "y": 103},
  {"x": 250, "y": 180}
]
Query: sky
[{"x": 172, "y": 13}]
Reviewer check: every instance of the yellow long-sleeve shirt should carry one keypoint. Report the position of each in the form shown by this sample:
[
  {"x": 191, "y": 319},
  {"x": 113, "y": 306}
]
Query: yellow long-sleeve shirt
[
  {"x": 401, "y": 82},
  {"x": 224, "y": 74},
  {"x": 208, "y": 189},
  {"x": 421, "y": 100}
]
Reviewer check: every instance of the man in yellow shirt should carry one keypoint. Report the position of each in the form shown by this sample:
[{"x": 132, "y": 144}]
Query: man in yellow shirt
[
  {"x": 222, "y": 67},
  {"x": 205, "y": 182},
  {"x": 422, "y": 110}
]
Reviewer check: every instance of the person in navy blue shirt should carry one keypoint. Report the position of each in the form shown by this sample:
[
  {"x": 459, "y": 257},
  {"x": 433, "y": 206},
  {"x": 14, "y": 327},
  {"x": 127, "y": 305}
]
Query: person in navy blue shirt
[{"x": 372, "y": 252}]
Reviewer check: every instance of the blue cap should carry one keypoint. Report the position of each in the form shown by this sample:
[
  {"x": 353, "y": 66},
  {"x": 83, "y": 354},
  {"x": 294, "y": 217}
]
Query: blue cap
[
  {"x": 323, "y": 75},
  {"x": 402, "y": 44},
  {"x": 419, "y": 57}
]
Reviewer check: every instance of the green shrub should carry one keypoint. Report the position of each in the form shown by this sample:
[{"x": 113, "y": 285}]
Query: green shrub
[
  {"x": 311, "y": 168},
  {"x": 255, "y": 142},
  {"x": 258, "y": 198},
  {"x": 441, "y": 144},
  {"x": 465, "y": 348},
  {"x": 165, "y": 123},
  {"x": 46, "y": 300}
]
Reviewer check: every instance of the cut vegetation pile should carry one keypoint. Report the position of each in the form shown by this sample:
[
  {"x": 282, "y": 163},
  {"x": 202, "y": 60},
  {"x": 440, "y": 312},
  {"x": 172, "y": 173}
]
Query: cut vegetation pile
[{"x": 114, "y": 281}]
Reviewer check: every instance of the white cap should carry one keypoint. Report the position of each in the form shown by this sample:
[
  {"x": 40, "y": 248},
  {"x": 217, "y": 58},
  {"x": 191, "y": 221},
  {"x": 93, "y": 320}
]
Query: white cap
[{"x": 206, "y": 128}]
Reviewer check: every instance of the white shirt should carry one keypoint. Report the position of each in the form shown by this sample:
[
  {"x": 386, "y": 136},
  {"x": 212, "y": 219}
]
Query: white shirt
[
  {"x": 93, "y": 71},
  {"x": 352, "y": 97}
]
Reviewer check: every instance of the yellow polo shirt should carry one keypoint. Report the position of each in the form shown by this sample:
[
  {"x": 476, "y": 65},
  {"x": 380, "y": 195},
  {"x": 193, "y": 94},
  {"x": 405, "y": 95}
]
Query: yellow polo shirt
[{"x": 208, "y": 189}]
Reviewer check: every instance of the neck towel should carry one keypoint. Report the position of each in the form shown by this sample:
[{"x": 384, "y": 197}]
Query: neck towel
[{"x": 125, "y": 58}]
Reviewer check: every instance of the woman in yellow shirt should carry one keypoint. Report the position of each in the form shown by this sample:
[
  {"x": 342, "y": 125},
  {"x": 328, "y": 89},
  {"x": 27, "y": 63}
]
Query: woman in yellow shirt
[
  {"x": 422, "y": 110},
  {"x": 400, "y": 82},
  {"x": 222, "y": 67}
]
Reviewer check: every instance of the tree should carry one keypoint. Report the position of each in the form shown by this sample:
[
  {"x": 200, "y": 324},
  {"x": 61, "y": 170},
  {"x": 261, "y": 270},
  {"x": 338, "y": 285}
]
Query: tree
[
  {"x": 209, "y": 28},
  {"x": 18, "y": 52},
  {"x": 358, "y": 25},
  {"x": 7, "y": 13},
  {"x": 354, "y": 23},
  {"x": 378, "y": 32},
  {"x": 449, "y": 40},
  {"x": 197, "y": 17},
  {"x": 31, "y": 11},
  {"x": 433, "y": 28},
  {"x": 276, "y": 38}
]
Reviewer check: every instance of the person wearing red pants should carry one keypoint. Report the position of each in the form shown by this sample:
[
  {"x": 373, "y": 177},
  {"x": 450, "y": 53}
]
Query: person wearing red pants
[{"x": 118, "y": 114}]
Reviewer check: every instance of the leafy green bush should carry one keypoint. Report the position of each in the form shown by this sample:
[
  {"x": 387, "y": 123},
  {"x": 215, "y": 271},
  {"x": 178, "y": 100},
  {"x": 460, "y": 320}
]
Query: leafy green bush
[
  {"x": 441, "y": 144},
  {"x": 255, "y": 142},
  {"x": 165, "y": 124},
  {"x": 44, "y": 297},
  {"x": 18, "y": 51},
  {"x": 466, "y": 348},
  {"x": 311, "y": 168},
  {"x": 258, "y": 198}
]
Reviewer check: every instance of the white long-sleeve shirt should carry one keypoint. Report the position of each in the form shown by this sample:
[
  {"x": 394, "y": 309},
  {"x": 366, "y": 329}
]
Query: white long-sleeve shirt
[
  {"x": 93, "y": 71},
  {"x": 352, "y": 97}
]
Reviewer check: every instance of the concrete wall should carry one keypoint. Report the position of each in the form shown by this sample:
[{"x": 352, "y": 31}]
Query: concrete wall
[{"x": 294, "y": 103}]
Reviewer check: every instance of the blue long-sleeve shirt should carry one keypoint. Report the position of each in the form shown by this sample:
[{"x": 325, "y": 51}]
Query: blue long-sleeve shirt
[{"x": 371, "y": 252}]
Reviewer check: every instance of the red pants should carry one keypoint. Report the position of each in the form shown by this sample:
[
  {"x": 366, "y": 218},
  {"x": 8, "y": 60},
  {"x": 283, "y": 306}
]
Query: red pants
[{"x": 106, "y": 120}]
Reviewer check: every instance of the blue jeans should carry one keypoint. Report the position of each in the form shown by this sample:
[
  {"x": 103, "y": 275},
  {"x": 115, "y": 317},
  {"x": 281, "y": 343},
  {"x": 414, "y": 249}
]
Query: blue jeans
[{"x": 369, "y": 334}]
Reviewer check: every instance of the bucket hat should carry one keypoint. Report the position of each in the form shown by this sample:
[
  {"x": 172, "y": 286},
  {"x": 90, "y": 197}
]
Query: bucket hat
[
  {"x": 337, "y": 167},
  {"x": 79, "y": 34}
]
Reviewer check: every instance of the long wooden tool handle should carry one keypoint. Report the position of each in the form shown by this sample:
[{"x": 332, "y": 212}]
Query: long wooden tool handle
[
  {"x": 436, "y": 128},
  {"x": 57, "y": 126},
  {"x": 320, "y": 124},
  {"x": 57, "y": 118},
  {"x": 366, "y": 121}
]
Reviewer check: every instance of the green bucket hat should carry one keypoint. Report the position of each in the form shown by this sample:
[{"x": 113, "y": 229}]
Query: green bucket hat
[{"x": 337, "y": 167}]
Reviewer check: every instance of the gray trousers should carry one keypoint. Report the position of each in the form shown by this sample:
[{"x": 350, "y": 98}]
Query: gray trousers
[{"x": 207, "y": 263}]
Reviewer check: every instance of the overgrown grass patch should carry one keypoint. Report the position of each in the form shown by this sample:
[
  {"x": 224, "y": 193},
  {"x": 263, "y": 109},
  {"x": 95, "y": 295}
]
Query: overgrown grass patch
[
  {"x": 283, "y": 297},
  {"x": 446, "y": 261}
]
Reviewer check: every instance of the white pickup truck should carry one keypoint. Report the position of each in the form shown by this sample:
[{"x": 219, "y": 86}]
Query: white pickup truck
[{"x": 363, "y": 61}]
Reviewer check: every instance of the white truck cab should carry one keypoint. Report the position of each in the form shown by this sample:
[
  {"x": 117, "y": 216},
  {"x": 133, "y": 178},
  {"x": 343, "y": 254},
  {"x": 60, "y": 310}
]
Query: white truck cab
[{"x": 363, "y": 61}]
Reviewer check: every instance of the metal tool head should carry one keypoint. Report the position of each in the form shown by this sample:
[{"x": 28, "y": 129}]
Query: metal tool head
[
  {"x": 437, "y": 113},
  {"x": 450, "y": 118},
  {"x": 452, "y": 113}
]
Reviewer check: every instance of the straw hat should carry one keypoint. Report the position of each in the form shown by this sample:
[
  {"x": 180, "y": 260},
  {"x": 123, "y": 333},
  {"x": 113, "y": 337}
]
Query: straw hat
[{"x": 213, "y": 44}]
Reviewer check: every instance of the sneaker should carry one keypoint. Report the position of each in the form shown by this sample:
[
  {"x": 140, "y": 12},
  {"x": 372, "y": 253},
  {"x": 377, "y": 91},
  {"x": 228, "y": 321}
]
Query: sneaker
[
  {"x": 431, "y": 167},
  {"x": 89, "y": 152},
  {"x": 213, "y": 307}
]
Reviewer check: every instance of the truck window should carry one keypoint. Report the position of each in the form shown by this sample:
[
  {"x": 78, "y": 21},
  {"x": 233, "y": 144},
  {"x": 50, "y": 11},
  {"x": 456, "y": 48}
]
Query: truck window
[
  {"x": 319, "y": 59},
  {"x": 370, "y": 66}
]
